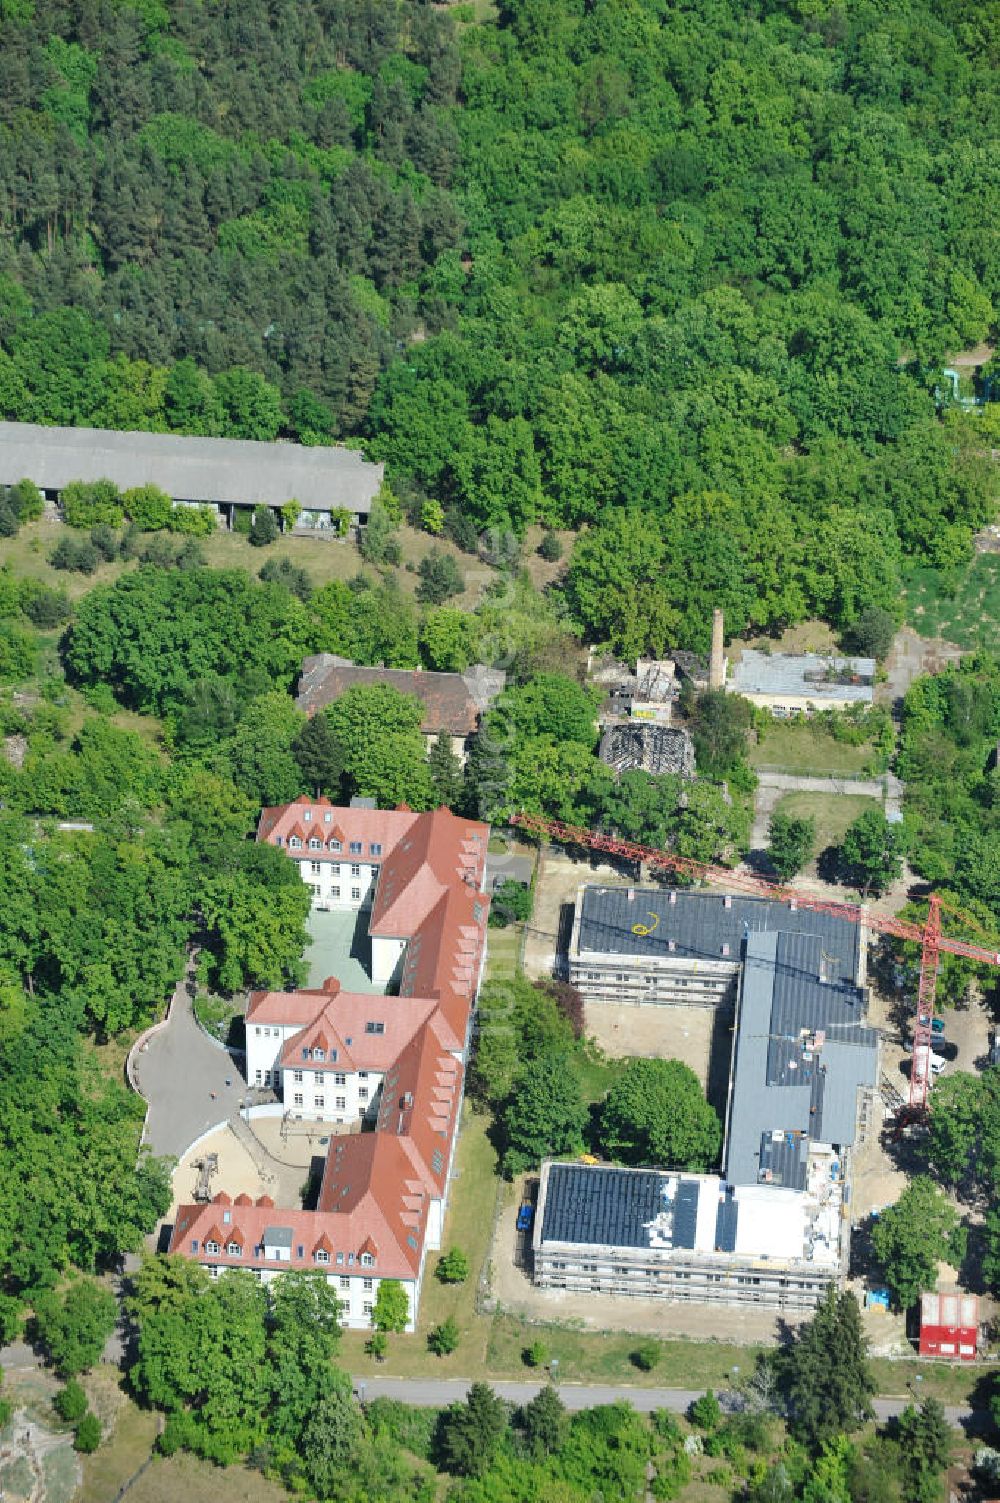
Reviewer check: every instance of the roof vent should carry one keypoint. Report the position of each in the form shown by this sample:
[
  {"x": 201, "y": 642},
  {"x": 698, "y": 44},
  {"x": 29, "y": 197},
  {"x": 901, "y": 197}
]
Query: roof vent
[
  {"x": 725, "y": 949},
  {"x": 727, "y": 901},
  {"x": 673, "y": 898}
]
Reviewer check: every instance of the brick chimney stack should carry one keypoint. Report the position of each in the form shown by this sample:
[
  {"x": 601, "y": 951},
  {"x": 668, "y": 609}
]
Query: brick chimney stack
[{"x": 717, "y": 662}]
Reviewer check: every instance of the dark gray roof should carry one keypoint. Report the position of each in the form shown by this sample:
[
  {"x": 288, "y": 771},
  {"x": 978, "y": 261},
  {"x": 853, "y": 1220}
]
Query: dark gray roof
[
  {"x": 686, "y": 1213},
  {"x": 231, "y": 470},
  {"x": 787, "y": 1086},
  {"x": 586, "y": 1203},
  {"x": 277, "y": 1236},
  {"x": 700, "y": 924},
  {"x": 726, "y": 1220},
  {"x": 803, "y": 673}
]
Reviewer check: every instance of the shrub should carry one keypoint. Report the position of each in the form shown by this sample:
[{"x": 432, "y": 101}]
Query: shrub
[
  {"x": 264, "y": 528},
  {"x": 148, "y": 507},
  {"x": 105, "y": 540},
  {"x": 42, "y": 605},
  {"x": 706, "y": 1412},
  {"x": 453, "y": 1267},
  {"x": 159, "y": 550},
  {"x": 536, "y": 1355},
  {"x": 282, "y": 571},
  {"x": 511, "y": 905},
  {"x": 440, "y": 578},
  {"x": 432, "y": 517},
  {"x": 550, "y": 548},
  {"x": 190, "y": 555},
  {"x": 25, "y": 500},
  {"x": 88, "y": 1433},
  {"x": 647, "y": 1354},
  {"x": 242, "y": 520},
  {"x": 444, "y": 1338},
  {"x": 340, "y": 520},
  {"x": 78, "y": 554},
  {"x": 70, "y": 1403},
  {"x": 462, "y": 530},
  {"x": 377, "y": 1345},
  {"x": 193, "y": 521},
  {"x": 86, "y": 503}
]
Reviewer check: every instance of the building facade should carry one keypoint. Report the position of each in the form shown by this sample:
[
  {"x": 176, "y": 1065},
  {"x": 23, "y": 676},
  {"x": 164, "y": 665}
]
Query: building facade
[{"x": 392, "y": 1067}]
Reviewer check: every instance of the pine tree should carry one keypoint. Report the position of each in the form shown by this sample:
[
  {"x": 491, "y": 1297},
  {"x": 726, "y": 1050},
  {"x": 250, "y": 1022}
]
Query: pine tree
[
  {"x": 317, "y": 752},
  {"x": 925, "y": 1449},
  {"x": 488, "y": 775},
  {"x": 829, "y": 1381},
  {"x": 446, "y": 773}
]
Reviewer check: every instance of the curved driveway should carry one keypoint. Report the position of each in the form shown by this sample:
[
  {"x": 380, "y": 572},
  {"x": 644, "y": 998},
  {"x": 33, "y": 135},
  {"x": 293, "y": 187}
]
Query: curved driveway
[{"x": 182, "y": 1074}]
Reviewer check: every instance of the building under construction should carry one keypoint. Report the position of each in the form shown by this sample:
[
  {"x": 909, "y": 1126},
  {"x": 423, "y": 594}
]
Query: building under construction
[{"x": 773, "y": 1227}]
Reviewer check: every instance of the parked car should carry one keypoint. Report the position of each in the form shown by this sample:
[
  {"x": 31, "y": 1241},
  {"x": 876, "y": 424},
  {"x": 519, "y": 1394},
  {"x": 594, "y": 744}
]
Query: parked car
[
  {"x": 937, "y": 1024},
  {"x": 526, "y": 1217}
]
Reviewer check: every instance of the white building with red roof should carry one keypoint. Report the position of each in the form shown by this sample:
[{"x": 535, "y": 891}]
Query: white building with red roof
[{"x": 394, "y": 1065}]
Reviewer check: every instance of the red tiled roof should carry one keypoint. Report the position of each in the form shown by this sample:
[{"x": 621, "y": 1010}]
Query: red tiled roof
[
  {"x": 377, "y": 1186},
  {"x": 448, "y": 705}
]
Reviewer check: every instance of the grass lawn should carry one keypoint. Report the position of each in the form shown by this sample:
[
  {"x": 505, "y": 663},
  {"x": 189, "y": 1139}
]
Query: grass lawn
[
  {"x": 805, "y": 747},
  {"x": 469, "y": 1225},
  {"x": 833, "y": 812},
  {"x": 605, "y": 1357},
  {"x": 963, "y": 605},
  {"x": 596, "y": 1076},
  {"x": 120, "y": 1457},
  {"x": 170, "y": 1479},
  {"x": 503, "y": 951},
  {"x": 322, "y": 558}
]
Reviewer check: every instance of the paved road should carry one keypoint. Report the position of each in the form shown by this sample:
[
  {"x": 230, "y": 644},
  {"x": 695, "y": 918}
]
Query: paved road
[
  {"x": 182, "y": 1075},
  {"x": 434, "y": 1392}
]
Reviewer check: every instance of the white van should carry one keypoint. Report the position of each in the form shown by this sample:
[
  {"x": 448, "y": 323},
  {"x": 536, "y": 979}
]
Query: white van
[{"x": 921, "y": 1058}]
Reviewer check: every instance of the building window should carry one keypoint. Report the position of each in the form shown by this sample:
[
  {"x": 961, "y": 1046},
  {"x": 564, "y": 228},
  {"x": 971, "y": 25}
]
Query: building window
[
  {"x": 362, "y": 1093},
  {"x": 374, "y": 1028},
  {"x": 367, "y": 1260},
  {"x": 335, "y": 892},
  {"x": 320, "y": 1103},
  {"x": 319, "y": 1053},
  {"x": 322, "y": 1256},
  {"x": 257, "y": 1032},
  {"x": 234, "y": 1250},
  {"x": 315, "y": 867},
  {"x": 355, "y": 894},
  {"x": 297, "y": 1099},
  {"x": 307, "y": 815},
  {"x": 315, "y": 844},
  {"x": 375, "y": 849},
  {"x": 294, "y": 842},
  {"x": 345, "y": 1282},
  {"x": 368, "y": 1285},
  {"x": 335, "y": 845},
  {"x": 211, "y": 1247},
  {"x": 327, "y": 816},
  {"x": 339, "y": 1079},
  {"x": 258, "y": 1080},
  {"x": 297, "y": 1076},
  {"x": 315, "y": 889},
  {"x": 355, "y": 847},
  {"x": 340, "y": 1103},
  {"x": 194, "y": 1244},
  {"x": 366, "y": 1308}
]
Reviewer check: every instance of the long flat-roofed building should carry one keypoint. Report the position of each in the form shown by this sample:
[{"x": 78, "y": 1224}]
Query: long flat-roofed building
[
  {"x": 223, "y": 472},
  {"x": 773, "y": 1227}
]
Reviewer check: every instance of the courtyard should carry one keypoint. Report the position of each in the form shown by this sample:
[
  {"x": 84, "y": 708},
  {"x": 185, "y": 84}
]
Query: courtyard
[{"x": 339, "y": 946}]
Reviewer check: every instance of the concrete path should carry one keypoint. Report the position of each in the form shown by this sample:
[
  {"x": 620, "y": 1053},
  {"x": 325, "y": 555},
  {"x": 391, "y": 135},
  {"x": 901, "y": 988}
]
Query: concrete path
[
  {"x": 183, "y": 1076},
  {"x": 436, "y": 1392}
]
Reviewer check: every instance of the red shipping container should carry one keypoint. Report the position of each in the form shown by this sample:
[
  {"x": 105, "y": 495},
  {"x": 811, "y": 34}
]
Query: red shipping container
[{"x": 949, "y": 1325}]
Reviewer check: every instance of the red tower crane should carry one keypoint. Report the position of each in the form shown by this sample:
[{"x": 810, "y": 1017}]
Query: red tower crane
[{"x": 928, "y": 936}]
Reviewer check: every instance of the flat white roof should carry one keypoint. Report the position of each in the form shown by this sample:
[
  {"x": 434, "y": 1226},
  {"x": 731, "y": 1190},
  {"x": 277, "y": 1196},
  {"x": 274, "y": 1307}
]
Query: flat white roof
[{"x": 234, "y": 471}]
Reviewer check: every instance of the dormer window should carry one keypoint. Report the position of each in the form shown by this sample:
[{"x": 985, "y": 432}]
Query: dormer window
[
  {"x": 211, "y": 1247},
  {"x": 355, "y": 848},
  {"x": 234, "y": 1250},
  {"x": 371, "y": 1027},
  {"x": 319, "y": 1054},
  {"x": 367, "y": 1261},
  {"x": 327, "y": 817},
  {"x": 322, "y": 1256},
  {"x": 375, "y": 849},
  {"x": 315, "y": 844},
  {"x": 307, "y": 815},
  {"x": 294, "y": 842},
  {"x": 336, "y": 845}
]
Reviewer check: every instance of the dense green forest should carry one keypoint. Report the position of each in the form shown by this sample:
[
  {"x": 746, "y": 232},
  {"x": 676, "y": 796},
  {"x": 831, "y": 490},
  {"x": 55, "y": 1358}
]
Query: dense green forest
[{"x": 682, "y": 274}]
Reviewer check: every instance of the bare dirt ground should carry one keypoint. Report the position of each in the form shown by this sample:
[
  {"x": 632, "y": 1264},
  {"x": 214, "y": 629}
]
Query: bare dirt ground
[
  {"x": 683, "y": 1033},
  {"x": 911, "y": 656},
  {"x": 556, "y": 885},
  {"x": 277, "y": 1167}
]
